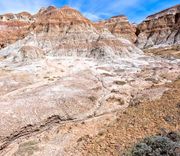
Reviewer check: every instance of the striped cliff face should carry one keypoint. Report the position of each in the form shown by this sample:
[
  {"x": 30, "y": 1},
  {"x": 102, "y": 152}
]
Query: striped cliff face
[
  {"x": 120, "y": 27},
  {"x": 14, "y": 27},
  {"x": 66, "y": 32},
  {"x": 160, "y": 29}
]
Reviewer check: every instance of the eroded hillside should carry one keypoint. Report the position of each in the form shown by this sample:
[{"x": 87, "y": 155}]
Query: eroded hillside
[{"x": 69, "y": 83}]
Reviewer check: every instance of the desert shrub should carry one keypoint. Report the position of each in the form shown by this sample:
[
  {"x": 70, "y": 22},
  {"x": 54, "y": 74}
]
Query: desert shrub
[{"x": 168, "y": 145}]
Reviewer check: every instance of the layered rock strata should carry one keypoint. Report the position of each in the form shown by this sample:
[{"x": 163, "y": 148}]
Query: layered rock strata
[
  {"x": 14, "y": 27},
  {"x": 120, "y": 27},
  {"x": 66, "y": 32},
  {"x": 160, "y": 29}
]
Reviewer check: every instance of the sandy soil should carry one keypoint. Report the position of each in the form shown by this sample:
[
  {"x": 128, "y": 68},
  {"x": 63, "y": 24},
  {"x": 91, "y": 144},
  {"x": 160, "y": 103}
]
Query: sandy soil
[{"x": 137, "y": 122}]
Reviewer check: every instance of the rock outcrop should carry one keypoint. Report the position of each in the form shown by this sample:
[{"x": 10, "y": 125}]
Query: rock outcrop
[
  {"x": 65, "y": 32},
  {"x": 14, "y": 27},
  {"x": 120, "y": 27},
  {"x": 27, "y": 53},
  {"x": 160, "y": 29},
  {"x": 70, "y": 33}
]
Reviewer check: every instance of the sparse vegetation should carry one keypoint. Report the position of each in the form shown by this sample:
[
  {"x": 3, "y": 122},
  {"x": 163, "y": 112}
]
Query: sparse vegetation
[
  {"x": 27, "y": 148},
  {"x": 168, "y": 145}
]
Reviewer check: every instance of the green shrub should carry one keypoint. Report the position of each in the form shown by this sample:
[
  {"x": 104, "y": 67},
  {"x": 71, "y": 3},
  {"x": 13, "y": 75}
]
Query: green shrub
[{"x": 168, "y": 145}]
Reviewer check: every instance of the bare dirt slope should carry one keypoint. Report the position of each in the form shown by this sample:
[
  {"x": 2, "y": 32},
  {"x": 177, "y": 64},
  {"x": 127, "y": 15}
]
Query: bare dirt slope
[
  {"x": 137, "y": 122},
  {"x": 55, "y": 105}
]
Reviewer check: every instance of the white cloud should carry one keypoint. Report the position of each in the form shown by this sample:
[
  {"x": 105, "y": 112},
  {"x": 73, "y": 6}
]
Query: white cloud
[
  {"x": 76, "y": 4},
  {"x": 16, "y": 6},
  {"x": 91, "y": 16}
]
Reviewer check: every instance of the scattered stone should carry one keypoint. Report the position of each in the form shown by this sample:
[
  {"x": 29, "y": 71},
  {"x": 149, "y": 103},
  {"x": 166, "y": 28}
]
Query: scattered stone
[
  {"x": 169, "y": 118},
  {"x": 178, "y": 105},
  {"x": 153, "y": 80},
  {"x": 120, "y": 83},
  {"x": 134, "y": 102},
  {"x": 174, "y": 136}
]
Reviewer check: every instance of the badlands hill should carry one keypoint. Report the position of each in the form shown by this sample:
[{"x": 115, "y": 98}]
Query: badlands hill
[
  {"x": 160, "y": 29},
  {"x": 65, "y": 81},
  {"x": 120, "y": 27},
  {"x": 157, "y": 30},
  {"x": 65, "y": 32},
  {"x": 14, "y": 27}
]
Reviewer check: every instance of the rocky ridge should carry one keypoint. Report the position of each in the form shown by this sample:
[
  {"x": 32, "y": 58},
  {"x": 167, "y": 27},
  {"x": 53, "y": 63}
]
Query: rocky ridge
[
  {"x": 69, "y": 33},
  {"x": 160, "y": 29},
  {"x": 65, "y": 32},
  {"x": 120, "y": 27},
  {"x": 14, "y": 27}
]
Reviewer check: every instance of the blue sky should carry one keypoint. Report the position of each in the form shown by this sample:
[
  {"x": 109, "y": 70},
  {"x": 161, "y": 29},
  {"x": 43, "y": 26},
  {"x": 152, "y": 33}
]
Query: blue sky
[{"x": 136, "y": 10}]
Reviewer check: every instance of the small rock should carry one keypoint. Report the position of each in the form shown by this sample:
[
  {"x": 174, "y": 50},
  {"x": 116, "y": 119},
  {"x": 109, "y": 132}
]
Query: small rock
[
  {"x": 169, "y": 118},
  {"x": 80, "y": 139},
  {"x": 121, "y": 83},
  {"x": 152, "y": 80},
  {"x": 134, "y": 102},
  {"x": 173, "y": 136},
  {"x": 178, "y": 105}
]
